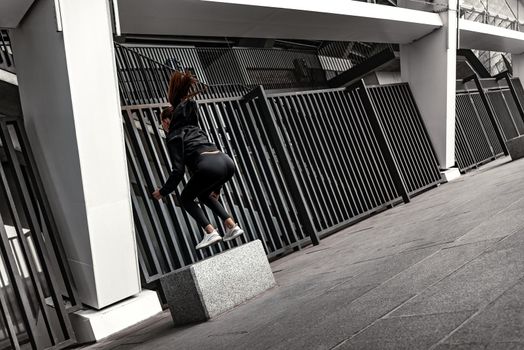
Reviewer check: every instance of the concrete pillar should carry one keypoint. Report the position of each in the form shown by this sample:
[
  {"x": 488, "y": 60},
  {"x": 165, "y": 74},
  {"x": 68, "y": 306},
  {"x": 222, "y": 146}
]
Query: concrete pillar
[
  {"x": 517, "y": 63},
  {"x": 429, "y": 66},
  {"x": 69, "y": 95}
]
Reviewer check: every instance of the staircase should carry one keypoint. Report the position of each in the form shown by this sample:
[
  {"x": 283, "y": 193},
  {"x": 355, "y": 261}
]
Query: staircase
[
  {"x": 231, "y": 70},
  {"x": 9, "y": 95},
  {"x": 7, "y": 62},
  {"x": 493, "y": 61}
]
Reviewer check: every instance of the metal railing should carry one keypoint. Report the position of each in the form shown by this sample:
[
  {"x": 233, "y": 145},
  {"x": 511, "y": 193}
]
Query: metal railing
[
  {"x": 250, "y": 67},
  {"x": 144, "y": 71},
  {"x": 420, "y": 5},
  {"x": 6, "y": 52},
  {"x": 488, "y": 113},
  {"x": 257, "y": 197},
  {"x": 488, "y": 17},
  {"x": 407, "y": 136},
  {"x": 34, "y": 273},
  {"x": 289, "y": 191},
  {"x": 143, "y": 80},
  {"x": 337, "y": 57},
  {"x": 476, "y": 142},
  {"x": 335, "y": 154}
]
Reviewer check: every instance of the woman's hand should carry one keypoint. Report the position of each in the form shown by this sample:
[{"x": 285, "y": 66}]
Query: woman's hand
[{"x": 157, "y": 195}]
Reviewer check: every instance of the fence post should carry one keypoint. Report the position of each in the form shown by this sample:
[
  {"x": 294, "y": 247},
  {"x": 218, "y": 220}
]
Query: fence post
[
  {"x": 514, "y": 94},
  {"x": 277, "y": 141},
  {"x": 383, "y": 142},
  {"x": 489, "y": 110}
]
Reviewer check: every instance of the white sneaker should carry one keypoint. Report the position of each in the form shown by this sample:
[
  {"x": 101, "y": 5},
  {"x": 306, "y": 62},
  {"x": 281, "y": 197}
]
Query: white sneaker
[
  {"x": 232, "y": 233},
  {"x": 209, "y": 239}
]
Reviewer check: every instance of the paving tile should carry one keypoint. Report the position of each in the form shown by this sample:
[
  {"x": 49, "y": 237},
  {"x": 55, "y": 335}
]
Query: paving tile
[
  {"x": 502, "y": 321},
  {"x": 414, "y": 332},
  {"x": 501, "y": 225},
  {"x": 472, "y": 287},
  {"x": 402, "y": 279}
]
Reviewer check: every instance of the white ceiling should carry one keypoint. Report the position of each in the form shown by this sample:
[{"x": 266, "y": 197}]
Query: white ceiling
[
  {"x": 289, "y": 19},
  {"x": 474, "y": 35}
]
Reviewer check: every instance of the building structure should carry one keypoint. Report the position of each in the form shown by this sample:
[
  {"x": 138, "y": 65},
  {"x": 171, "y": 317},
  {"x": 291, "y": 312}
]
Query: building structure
[{"x": 91, "y": 79}]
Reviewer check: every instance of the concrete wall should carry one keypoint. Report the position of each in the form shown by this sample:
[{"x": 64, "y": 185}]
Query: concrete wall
[
  {"x": 429, "y": 66},
  {"x": 389, "y": 77},
  {"x": 69, "y": 95},
  {"x": 12, "y": 11}
]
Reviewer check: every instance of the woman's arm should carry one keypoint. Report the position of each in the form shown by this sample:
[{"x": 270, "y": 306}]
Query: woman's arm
[{"x": 176, "y": 152}]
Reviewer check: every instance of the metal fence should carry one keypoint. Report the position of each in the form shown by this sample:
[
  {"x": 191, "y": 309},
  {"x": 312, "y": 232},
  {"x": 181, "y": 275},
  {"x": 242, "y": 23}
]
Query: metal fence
[
  {"x": 272, "y": 68},
  {"x": 507, "y": 112},
  {"x": 144, "y": 71},
  {"x": 6, "y": 52},
  {"x": 519, "y": 90},
  {"x": 475, "y": 139},
  {"x": 309, "y": 164},
  {"x": 488, "y": 113},
  {"x": 407, "y": 136},
  {"x": 484, "y": 16},
  {"x": 335, "y": 155},
  {"x": 144, "y": 81},
  {"x": 257, "y": 197},
  {"x": 34, "y": 274}
]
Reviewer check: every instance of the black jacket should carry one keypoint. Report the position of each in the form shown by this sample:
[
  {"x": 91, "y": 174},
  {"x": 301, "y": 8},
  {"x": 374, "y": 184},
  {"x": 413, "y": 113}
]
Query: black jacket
[{"x": 185, "y": 142}]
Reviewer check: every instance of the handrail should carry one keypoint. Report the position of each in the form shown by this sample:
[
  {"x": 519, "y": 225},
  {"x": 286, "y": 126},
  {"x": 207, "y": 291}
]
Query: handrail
[
  {"x": 143, "y": 80},
  {"x": 486, "y": 17}
]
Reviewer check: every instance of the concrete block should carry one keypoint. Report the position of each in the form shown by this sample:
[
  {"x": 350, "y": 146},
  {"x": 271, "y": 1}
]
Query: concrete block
[
  {"x": 450, "y": 174},
  {"x": 516, "y": 147},
  {"x": 210, "y": 287},
  {"x": 93, "y": 325}
]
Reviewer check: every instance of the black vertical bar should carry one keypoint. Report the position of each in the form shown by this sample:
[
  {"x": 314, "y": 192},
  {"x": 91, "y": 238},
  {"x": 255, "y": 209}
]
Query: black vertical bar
[
  {"x": 383, "y": 142},
  {"x": 8, "y": 322},
  {"x": 154, "y": 208},
  {"x": 491, "y": 115},
  {"x": 285, "y": 161},
  {"x": 190, "y": 252},
  {"x": 14, "y": 277},
  {"x": 515, "y": 97},
  {"x": 49, "y": 218},
  {"x": 34, "y": 226}
]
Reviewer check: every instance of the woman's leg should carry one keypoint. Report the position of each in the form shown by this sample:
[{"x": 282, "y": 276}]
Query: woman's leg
[
  {"x": 228, "y": 166},
  {"x": 194, "y": 188},
  {"x": 212, "y": 172}
]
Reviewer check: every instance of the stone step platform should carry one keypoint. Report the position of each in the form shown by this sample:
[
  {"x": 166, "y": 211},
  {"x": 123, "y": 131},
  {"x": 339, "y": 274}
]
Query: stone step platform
[{"x": 210, "y": 287}]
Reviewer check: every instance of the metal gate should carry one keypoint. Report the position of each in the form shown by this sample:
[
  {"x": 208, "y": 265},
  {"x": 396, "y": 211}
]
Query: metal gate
[
  {"x": 34, "y": 274},
  {"x": 309, "y": 164}
]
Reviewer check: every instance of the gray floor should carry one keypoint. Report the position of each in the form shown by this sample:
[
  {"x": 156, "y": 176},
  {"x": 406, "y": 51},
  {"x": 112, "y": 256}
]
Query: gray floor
[{"x": 443, "y": 272}]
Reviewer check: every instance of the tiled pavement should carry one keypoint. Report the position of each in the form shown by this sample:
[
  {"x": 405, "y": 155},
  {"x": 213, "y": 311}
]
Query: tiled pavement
[{"x": 445, "y": 271}]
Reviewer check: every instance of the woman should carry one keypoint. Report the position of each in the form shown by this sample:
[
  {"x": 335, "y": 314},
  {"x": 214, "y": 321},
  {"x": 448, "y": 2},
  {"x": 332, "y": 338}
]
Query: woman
[{"x": 189, "y": 146}]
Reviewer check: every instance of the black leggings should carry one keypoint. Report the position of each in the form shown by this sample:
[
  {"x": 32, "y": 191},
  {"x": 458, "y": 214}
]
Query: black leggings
[{"x": 211, "y": 171}]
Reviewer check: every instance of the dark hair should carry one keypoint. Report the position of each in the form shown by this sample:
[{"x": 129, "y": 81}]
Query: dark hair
[
  {"x": 180, "y": 86},
  {"x": 166, "y": 113}
]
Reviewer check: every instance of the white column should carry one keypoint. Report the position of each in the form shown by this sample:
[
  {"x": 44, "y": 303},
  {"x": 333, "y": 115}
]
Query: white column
[
  {"x": 69, "y": 95},
  {"x": 517, "y": 63},
  {"x": 429, "y": 65}
]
